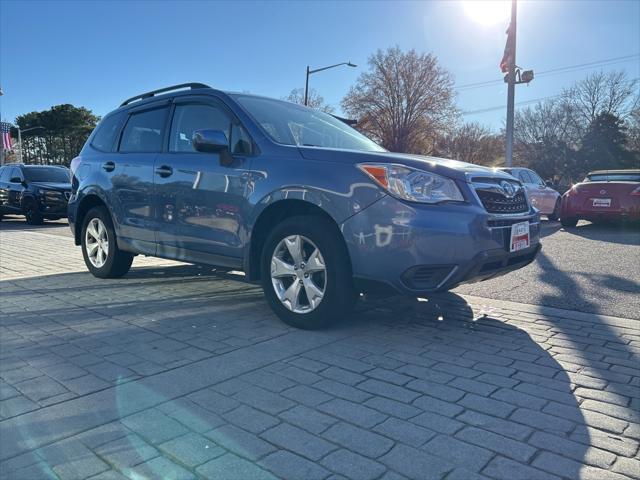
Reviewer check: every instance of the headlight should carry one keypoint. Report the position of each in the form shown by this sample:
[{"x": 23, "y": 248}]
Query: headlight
[{"x": 411, "y": 184}]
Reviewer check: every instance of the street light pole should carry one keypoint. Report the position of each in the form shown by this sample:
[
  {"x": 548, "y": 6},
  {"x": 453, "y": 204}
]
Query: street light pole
[
  {"x": 306, "y": 88},
  {"x": 309, "y": 72},
  {"x": 511, "y": 86},
  {"x": 20, "y": 137}
]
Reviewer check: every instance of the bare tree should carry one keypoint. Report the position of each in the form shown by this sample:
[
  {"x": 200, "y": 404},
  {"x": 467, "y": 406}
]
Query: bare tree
[
  {"x": 314, "y": 100},
  {"x": 472, "y": 142},
  {"x": 633, "y": 130},
  {"x": 601, "y": 92},
  {"x": 405, "y": 100},
  {"x": 546, "y": 139}
]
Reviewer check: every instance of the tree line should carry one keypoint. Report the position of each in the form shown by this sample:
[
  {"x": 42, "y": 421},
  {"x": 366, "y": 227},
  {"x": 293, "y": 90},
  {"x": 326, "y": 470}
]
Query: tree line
[{"x": 405, "y": 101}]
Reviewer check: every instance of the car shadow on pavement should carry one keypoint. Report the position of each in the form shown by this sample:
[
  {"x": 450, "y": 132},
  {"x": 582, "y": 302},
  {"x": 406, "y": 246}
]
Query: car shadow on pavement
[
  {"x": 611, "y": 232},
  {"x": 13, "y": 223},
  {"x": 472, "y": 389},
  {"x": 604, "y": 367}
]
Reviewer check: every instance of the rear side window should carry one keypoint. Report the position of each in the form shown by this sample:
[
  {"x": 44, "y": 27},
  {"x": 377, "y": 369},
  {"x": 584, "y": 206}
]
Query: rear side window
[
  {"x": 106, "y": 133},
  {"x": 144, "y": 131}
]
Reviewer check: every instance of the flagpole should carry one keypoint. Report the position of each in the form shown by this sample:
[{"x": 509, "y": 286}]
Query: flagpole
[
  {"x": 1, "y": 146},
  {"x": 511, "y": 87}
]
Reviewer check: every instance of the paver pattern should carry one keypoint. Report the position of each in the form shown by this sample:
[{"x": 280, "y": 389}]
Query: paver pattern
[{"x": 177, "y": 371}]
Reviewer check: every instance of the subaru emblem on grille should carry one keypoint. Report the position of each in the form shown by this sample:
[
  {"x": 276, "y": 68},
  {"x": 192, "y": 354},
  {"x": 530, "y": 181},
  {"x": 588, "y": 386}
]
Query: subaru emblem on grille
[{"x": 508, "y": 189}]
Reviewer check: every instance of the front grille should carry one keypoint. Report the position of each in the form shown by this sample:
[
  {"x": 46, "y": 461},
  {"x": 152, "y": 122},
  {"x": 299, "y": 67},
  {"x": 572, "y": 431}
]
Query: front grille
[{"x": 498, "y": 203}]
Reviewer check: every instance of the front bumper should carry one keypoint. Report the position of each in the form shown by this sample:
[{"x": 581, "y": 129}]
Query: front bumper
[
  {"x": 53, "y": 206},
  {"x": 414, "y": 249}
]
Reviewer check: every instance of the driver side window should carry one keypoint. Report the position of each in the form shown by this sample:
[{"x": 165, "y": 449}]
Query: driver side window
[
  {"x": 191, "y": 117},
  {"x": 523, "y": 175},
  {"x": 535, "y": 178}
]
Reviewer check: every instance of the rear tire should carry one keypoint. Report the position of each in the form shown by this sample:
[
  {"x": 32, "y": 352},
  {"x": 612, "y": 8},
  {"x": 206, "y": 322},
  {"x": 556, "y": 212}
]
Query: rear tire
[
  {"x": 569, "y": 222},
  {"x": 98, "y": 235},
  {"x": 331, "y": 289},
  {"x": 31, "y": 213}
]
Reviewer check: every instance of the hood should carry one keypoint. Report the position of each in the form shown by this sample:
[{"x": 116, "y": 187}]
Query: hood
[
  {"x": 441, "y": 166},
  {"x": 52, "y": 185}
]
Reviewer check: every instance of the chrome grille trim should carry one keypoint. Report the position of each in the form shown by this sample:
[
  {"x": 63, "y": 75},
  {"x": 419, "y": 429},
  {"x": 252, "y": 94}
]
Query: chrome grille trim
[{"x": 493, "y": 198}]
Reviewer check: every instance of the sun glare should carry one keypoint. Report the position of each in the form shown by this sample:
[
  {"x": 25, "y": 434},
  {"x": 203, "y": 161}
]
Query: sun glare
[{"x": 487, "y": 12}]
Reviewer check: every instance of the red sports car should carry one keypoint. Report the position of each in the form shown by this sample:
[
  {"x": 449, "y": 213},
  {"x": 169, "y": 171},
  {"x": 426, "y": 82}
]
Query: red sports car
[{"x": 603, "y": 195}]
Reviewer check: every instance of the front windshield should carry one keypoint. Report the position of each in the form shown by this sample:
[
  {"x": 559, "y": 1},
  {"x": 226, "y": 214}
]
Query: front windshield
[
  {"x": 46, "y": 174},
  {"x": 293, "y": 124}
]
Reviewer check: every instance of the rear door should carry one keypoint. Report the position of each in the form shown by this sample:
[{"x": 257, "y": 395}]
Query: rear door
[
  {"x": 199, "y": 202},
  {"x": 132, "y": 178}
]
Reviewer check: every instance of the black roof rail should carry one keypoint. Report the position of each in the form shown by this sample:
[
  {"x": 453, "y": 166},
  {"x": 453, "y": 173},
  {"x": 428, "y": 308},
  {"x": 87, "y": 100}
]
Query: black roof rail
[{"x": 153, "y": 93}]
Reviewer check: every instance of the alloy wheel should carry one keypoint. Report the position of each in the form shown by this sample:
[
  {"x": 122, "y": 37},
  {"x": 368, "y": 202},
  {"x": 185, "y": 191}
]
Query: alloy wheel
[
  {"x": 298, "y": 274},
  {"x": 96, "y": 242}
]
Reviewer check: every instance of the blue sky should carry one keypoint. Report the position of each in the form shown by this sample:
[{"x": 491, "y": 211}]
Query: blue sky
[{"x": 96, "y": 54}]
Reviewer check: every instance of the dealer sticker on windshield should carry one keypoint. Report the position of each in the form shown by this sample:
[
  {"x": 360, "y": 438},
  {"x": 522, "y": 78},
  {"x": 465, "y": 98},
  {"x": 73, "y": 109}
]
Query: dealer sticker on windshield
[{"x": 519, "y": 237}]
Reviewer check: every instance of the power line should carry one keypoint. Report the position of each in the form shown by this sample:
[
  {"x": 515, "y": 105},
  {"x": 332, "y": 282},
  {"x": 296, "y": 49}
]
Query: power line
[
  {"x": 501, "y": 107},
  {"x": 526, "y": 102},
  {"x": 556, "y": 71}
]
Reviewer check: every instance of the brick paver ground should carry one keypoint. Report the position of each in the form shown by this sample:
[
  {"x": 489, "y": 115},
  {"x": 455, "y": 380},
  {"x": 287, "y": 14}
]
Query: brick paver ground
[{"x": 177, "y": 372}]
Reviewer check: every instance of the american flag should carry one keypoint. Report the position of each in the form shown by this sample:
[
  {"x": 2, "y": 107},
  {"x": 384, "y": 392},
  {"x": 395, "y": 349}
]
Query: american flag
[{"x": 5, "y": 128}]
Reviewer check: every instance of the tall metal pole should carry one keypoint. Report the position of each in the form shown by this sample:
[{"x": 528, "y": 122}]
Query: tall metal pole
[
  {"x": 306, "y": 88},
  {"x": 1, "y": 146},
  {"x": 20, "y": 142},
  {"x": 511, "y": 86}
]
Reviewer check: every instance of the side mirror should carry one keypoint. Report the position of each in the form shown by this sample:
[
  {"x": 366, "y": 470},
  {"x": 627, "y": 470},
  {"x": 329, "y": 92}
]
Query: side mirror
[{"x": 213, "y": 141}]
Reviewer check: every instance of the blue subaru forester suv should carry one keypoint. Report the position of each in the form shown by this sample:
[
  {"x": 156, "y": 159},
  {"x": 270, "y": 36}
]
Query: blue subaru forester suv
[{"x": 294, "y": 197}]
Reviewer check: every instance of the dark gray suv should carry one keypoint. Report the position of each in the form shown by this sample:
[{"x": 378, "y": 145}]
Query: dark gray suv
[{"x": 293, "y": 197}]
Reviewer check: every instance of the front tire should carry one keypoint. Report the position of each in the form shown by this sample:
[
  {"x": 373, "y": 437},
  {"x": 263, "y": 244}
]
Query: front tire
[
  {"x": 306, "y": 274},
  {"x": 99, "y": 246},
  {"x": 31, "y": 213}
]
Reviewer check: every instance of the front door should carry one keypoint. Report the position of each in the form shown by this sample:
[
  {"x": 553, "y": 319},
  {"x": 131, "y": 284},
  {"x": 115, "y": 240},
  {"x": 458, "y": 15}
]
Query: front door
[
  {"x": 15, "y": 189},
  {"x": 545, "y": 195},
  {"x": 200, "y": 203}
]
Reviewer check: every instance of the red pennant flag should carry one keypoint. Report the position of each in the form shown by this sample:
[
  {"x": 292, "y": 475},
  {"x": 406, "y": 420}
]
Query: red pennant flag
[{"x": 507, "y": 57}]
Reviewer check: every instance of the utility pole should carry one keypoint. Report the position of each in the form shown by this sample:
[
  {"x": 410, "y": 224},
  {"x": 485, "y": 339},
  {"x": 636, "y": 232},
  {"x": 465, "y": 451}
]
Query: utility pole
[
  {"x": 1, "y": 146},
  {"x": 511, "y": 85}
]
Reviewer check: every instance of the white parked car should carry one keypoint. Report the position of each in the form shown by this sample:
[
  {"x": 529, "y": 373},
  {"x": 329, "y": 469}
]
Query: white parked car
[{"x": 544, "y": 198}]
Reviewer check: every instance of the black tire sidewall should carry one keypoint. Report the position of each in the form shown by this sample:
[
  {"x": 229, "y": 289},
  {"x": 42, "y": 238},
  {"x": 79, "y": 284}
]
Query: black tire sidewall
[
  {"x": 35, "y": 218},
  {"x": 106, "y": 271},
  {"x": 339, "y": 293}
]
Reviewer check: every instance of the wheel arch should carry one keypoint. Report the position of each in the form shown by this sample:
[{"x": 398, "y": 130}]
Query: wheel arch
[
  {"x": 273, "y": 214},
  {"x": 87, "y": 203}
]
